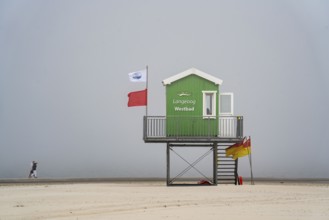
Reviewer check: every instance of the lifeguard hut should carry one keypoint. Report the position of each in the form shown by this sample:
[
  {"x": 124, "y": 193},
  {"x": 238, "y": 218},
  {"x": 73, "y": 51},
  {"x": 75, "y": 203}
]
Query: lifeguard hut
[{"x": 198, "y": 114}]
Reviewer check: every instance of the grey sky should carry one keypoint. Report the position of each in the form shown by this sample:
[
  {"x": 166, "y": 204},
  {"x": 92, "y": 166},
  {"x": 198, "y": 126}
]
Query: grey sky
[{"x": 64, "y": 82}]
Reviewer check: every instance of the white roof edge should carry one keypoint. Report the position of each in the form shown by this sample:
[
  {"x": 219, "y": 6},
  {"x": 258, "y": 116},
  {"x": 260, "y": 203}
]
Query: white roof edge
[{"x": 190, "y": 72}]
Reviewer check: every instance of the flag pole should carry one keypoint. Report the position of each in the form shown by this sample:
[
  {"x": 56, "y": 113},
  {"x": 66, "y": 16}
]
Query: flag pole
[
  {"x": 147, "y": 79},
  {"x": 251, "y": 173}
]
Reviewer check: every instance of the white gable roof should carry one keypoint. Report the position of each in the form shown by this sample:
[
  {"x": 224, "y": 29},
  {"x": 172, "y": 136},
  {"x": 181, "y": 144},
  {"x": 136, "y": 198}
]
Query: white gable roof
[{"x": 190, "y": 72}]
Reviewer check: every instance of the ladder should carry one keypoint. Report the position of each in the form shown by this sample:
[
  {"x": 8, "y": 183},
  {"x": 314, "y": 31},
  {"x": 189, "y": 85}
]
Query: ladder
[{"x": 227, "y": 168}]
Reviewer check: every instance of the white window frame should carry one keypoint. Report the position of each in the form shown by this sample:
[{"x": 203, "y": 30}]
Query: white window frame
[
  {"x": 232, "y": 104},
  {"x": 214, "y": 104}
]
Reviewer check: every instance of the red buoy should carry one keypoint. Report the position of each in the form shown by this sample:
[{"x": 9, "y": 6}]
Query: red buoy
[{"x": 240, "y": 180}]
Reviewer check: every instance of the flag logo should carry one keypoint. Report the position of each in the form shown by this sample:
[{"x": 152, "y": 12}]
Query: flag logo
[
  {"x": 138, "y": 76},
  {"x": 184, "y": 94}
]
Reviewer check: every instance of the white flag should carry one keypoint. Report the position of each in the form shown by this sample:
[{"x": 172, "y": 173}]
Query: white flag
[{"x": 138, "y": 76}]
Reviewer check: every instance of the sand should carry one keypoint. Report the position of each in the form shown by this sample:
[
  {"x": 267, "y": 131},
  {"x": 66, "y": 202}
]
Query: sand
[{"x": 154, "y": 200}]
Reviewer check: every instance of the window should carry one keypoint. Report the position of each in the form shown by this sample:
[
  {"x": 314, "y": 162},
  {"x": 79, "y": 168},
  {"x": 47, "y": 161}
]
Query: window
[
  {"x": 226, "y": 104},
  {"x": 209, "y": 103}
]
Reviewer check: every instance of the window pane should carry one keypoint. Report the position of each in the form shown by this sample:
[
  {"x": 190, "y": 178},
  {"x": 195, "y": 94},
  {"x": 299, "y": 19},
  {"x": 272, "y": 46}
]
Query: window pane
[
  {"x": 225, "y": 104},
  {"x": 209, "y": 103}
]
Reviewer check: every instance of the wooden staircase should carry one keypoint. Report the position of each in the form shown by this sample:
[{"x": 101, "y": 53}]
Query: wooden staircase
[{"x": 227, "y": 168}]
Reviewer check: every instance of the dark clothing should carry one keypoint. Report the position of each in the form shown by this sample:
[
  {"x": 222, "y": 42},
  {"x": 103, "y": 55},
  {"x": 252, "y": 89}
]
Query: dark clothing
[
  {"x": 33, "y": 172},
  {"x": 34, "y": 166}
]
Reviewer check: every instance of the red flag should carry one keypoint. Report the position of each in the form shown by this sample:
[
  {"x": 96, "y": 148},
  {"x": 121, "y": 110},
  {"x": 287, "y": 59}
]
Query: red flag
[{"x": 138, "y": 98}]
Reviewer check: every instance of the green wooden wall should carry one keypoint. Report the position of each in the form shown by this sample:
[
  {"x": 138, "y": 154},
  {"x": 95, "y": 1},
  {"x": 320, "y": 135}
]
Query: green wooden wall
[{"x": 184, "y": 107}]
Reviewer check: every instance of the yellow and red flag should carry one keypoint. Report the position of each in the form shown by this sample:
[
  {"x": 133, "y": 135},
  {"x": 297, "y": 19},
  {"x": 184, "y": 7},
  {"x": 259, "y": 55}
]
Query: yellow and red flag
[
  {"x": 234, "y": 148},
  {"x": 244, "y": 150}
]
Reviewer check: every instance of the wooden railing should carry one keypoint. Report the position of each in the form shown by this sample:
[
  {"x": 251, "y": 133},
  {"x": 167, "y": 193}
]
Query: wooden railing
[{"x": 197, "y": 127}]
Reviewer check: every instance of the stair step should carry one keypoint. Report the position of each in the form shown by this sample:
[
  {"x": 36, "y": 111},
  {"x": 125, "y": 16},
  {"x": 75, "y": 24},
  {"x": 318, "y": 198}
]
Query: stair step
[{"x": 226, "y": 166}]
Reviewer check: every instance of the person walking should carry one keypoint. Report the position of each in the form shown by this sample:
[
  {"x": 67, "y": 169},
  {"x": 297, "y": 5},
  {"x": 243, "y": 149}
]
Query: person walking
[{"x": 33, "y": 172}]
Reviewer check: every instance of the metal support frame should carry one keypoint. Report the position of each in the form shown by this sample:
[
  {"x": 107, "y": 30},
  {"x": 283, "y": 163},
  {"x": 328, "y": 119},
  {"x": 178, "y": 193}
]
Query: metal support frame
[
  {"x": 170, "y": 148},
  {"x": 215, "y": 164},
  {"x": 237, "y": 180}
]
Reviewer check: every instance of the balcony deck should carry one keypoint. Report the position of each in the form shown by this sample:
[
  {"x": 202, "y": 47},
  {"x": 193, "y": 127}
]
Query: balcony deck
[{"x": 164, "y": 129}]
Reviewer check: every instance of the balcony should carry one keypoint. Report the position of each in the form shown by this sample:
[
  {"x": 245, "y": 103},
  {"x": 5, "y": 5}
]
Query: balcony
[{"x": 222, "y": 129}]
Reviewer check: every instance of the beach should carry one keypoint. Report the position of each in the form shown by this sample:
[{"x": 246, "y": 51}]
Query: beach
[{"x": 154, "y": 200}]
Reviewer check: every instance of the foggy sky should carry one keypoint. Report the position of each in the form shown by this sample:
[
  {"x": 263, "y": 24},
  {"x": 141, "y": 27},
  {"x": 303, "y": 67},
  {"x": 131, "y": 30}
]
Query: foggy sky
[{"x": 64, "y": 82}]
